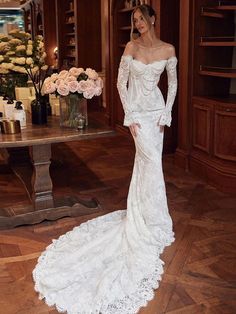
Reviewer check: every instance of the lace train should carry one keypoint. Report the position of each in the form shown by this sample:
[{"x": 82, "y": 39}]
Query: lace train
[{"x": 111, "y": 264}]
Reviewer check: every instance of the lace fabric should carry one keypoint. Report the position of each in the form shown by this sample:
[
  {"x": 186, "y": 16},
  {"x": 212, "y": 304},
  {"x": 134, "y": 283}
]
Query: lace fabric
[
  {"x": 111, "y": 264},
  {"x": 142, "y": 92},
  {"x": 123, "y": 76}
]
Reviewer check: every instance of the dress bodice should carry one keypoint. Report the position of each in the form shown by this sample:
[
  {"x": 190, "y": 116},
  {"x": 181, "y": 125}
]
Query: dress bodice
[
  {"x": 147, "y": 73},
  {"x": 142, "y": 93}
]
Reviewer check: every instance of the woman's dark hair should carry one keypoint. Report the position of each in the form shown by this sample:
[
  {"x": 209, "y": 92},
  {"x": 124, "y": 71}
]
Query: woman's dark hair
[{"x": 147, "y": 12}]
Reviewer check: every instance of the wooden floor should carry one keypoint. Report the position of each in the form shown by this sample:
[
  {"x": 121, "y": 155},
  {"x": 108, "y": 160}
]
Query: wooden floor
[{"x": 200, "y": 267}]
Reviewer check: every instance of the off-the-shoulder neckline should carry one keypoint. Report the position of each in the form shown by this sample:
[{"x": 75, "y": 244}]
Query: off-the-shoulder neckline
[{"x": 153, "y": 62}]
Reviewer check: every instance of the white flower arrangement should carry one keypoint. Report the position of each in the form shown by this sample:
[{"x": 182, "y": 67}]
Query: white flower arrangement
[
  {"x": 20, "y": 54},
  {"x": 85, "y": 83},
  {"x": 16, "y": 48}
]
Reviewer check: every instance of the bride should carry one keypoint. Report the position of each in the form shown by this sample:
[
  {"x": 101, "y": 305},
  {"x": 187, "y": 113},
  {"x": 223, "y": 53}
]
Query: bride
[{"x": 111, "y": 264}]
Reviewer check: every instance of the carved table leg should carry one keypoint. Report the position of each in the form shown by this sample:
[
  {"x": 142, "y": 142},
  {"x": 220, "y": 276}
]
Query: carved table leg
[
  {"x": 42, "y": 197},
  {"x": 40, "y": 191}
]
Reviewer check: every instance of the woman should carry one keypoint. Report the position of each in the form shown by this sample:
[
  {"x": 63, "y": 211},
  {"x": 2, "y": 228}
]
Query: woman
[{"x": 111, "y": 264}]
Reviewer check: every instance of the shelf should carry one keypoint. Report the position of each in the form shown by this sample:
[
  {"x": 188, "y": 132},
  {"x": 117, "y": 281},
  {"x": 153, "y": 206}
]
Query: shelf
[
  {"x": 125, "y": 28},
  {"x": 218, "y": 41},
  {"x": 226, "y": 7},
  {"x": 126, "y": 10},
  {"x": 70, "y": 45},
  {"x": 70, "y": 56},
  {"x": 210, "y": 13},
  {"x": 218, "y": 71},
  {"x": 218, "y": 11},
  {"x": 69, "y": 12},
  {"x": 70, "y": 23},
  {"x": 226, "y": 100},
  {"x": 70, "y": 34}
]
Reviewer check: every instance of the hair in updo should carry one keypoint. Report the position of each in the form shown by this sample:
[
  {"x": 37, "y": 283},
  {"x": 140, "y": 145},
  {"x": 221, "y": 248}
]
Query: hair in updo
[{"x": 147, "y": 12}]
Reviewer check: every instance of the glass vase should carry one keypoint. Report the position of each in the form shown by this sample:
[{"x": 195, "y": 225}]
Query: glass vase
[
  {"x": 72, "y": 109},
  {"x": 39, "y": 111}
]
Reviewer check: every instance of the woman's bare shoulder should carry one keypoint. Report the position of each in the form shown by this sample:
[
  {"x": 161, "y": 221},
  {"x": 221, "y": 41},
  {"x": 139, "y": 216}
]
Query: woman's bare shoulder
[
  {"x": 130, "y": 48},
  {"x": 169, "y": 49}
]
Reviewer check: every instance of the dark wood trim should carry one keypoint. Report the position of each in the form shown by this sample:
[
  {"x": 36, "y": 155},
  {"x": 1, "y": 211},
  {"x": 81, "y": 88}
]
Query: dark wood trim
[
  {"x": 196, "y": 126},
  {"x": 184, "y": 86}
]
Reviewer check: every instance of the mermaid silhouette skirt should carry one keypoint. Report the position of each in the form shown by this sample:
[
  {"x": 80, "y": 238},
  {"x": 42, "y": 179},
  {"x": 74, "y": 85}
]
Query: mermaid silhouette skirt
[{"x": 111, "y": 264}]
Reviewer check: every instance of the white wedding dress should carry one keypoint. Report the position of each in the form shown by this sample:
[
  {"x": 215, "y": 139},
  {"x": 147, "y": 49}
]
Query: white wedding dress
[{"x": 111, "y": 264}]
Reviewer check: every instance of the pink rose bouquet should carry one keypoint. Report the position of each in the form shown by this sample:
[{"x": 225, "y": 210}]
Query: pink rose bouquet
[
  {"x": 84, "y": 83},
  {"x": 74, "y": 87}
]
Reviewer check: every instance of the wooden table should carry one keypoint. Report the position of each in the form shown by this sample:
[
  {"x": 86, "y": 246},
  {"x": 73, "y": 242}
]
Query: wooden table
[{"x": 36, "y": 176}]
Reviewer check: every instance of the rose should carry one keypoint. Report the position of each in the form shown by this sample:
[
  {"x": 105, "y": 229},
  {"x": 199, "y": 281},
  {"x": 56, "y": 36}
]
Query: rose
[
  {"x": 49, "y": 87},
  {"x": 97, "y": 91},
  {"x": 70, "y": 79},
  {"x": 63, "y": 89},
  {"x": 92, "y": 74},
  {"x": 99, "y": 83},
  {"x": 73, "y": 86},
  {"x": 63, "y": 74},
  {"x": 59, "y": 81},
  {"x": 85, "y": 85},
  {"x": 53, "y": 77},
  {"x": 76, "y": 71},
  {"x": 88, "y": 94}
]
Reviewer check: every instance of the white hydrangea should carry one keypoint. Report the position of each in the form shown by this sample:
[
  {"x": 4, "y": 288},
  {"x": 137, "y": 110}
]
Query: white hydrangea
[
  {"x": 20, "y": 47},
  {"x": 29, "y": 61},
  {"x": 7, "y": 66},
  {"x": 20, "y": 60},
  {"x": 29, "y": 52}
]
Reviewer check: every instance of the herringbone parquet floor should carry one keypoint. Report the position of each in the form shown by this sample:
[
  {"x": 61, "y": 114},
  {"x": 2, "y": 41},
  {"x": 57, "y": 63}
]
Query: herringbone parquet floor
[{"x": 200, "y": 267}]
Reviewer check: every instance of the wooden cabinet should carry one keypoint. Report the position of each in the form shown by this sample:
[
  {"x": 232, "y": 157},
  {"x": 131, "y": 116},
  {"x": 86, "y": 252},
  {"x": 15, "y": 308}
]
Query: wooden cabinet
[
  {"x": 29, "y": 16},
  {"x": 224, "y": 141},
  {"x": 79, "y": 33},
  {"x": 166, "y": 28},
  {"x": 214, "y": 40},
  {"x": 39, "y": 20},
  {"x": 207, "y": 142},
  {"x": 67, "y": 37}
]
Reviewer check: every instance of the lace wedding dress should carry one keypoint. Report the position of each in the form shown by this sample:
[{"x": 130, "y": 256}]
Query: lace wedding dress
[{"x": 111, "y": 264}]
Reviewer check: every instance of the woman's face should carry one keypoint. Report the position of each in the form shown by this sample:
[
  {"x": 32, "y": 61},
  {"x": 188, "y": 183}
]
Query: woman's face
[{"x": 140, "y": 22}]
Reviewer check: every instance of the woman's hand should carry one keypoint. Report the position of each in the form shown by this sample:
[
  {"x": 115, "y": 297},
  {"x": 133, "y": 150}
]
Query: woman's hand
[{"x": 134, "y": 128}]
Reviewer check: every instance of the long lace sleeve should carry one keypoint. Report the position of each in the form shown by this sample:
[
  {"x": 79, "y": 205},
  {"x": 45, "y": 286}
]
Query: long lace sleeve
[
  {"x": 122, "y": 80},
  {"x": 172, "y": 89}
]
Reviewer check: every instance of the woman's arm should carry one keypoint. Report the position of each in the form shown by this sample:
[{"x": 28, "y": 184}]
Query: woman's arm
[
  {"x": 172, "y": 88},
  {"x": 122, "y": 80}
]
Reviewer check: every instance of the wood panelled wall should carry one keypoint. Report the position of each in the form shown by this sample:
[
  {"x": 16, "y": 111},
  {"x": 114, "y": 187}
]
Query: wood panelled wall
[{"x": 207, "y": 109}]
